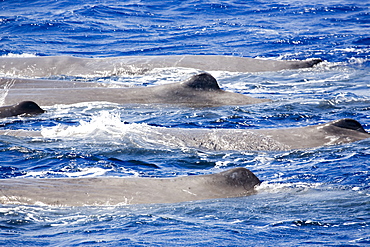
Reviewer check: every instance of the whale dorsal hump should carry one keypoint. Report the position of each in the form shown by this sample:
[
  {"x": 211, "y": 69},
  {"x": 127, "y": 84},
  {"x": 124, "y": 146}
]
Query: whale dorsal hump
[
  {"x": 203, "y": 81},
  {"x": 241, "y": 177},
  {"x": 29, "y": 107},
  {"x": 348, "y": 123}
]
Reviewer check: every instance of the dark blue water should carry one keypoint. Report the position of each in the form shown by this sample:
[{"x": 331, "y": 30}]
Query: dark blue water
[{"x": 318, "y": 197}]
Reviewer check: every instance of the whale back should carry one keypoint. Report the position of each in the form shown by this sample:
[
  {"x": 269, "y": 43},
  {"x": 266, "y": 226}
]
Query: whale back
[
  {"x": 235, "y": 182},
  {"x": 199, "y": 90},
  {"x": 332, "y": 133},
  {"x": 47, "y": 66}
]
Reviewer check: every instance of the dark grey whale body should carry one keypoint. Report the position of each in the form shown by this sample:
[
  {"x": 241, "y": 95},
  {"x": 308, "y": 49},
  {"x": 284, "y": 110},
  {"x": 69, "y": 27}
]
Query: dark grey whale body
[
  {"x": 22, "y": 108},
  {"x": 235, "y": 182},
  {"x": 97, "y": 67},
  {"x": 332, "y": 133},
  {"x": 336, "y": 132},
  {"x": 199, "y": 90}
]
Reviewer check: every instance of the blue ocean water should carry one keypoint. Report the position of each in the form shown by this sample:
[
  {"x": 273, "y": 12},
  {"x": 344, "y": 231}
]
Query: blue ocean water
[{"x": 317, "y": 197}]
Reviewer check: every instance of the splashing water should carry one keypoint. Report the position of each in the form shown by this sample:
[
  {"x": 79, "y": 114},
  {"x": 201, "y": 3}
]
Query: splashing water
[{"x": 4, "y": 91}]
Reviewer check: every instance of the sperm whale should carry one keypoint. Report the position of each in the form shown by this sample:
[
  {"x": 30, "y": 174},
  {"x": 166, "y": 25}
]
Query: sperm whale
[{"x": 235, "y": 182}]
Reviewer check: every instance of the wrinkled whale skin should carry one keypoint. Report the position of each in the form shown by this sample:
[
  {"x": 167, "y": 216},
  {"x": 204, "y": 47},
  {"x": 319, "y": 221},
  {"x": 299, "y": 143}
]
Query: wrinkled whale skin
[
  {"x": 281, "y": 139},
  {"x": 46, "y": 66},
  {"x": 236, "y": 182},
  {"x": 199, "y": 90}
]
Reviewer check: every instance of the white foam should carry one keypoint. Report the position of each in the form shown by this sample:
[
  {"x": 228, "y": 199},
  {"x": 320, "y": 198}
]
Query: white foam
[
  {"x": 105, "y": 123},
  {"x": 156, "y": 76},
  {"x": 107, "y": 127},
  {"x": 19, "y": 55},
  {"x": 273, "y": 187},
  {"x": 83, "y": 172},
  {"x": 5, "y": 90},
  {"x": 357, "y": 60}
]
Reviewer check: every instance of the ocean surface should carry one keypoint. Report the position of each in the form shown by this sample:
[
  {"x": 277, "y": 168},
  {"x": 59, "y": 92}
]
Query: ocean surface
[{"x": 313, "y": 197}]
